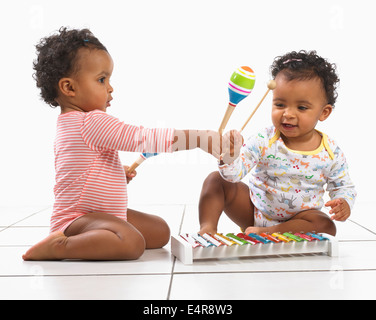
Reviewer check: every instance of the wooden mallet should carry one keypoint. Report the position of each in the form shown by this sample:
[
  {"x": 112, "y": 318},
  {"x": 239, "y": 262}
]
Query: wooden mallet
[{"x": 271, "y": 86}]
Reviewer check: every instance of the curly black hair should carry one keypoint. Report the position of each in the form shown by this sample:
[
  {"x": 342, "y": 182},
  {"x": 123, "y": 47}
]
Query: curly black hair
[
  {"x": 57, "y": 59},
  {"x": 305, "y": 65}
]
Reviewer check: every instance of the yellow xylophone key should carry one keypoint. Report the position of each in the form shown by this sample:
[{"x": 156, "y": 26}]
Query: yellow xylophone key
[
  {"x": 281, "y": 237},
  {"x": 224, "y": 239}
]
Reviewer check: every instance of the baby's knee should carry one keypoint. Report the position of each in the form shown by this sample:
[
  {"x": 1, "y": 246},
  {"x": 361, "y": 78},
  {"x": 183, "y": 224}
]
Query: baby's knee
[
  {"x": 213, "y": 182},
  {"x": 325, "y": 224},
  {"x": 134, "y": 248},
  {"x": 213, "y": 177},
  {"x": 328, "y": 226},
  {"x": 163, "y": 234}
]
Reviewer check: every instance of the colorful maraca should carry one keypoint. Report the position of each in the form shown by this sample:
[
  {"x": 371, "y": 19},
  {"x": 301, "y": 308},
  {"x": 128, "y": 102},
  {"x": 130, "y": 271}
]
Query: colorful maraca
[
  {"x": 140, "y": 160},
  {"x": 240, "y": 86}
]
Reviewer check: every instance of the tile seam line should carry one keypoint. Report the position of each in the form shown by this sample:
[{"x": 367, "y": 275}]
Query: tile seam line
[
  {"x": 174, "y": 261},
  {"x": 11, "y": 225},
  {"x": 186, "y": 273},
  {"x": 358, "y": 224},
  {"x": 83, "y": 275},
  {"x": 276, "y": 271}
]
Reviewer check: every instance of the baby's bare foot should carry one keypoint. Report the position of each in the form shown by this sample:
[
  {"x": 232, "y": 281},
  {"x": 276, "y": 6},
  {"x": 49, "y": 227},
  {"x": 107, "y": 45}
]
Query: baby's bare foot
[{"x": 47, "y": 249}]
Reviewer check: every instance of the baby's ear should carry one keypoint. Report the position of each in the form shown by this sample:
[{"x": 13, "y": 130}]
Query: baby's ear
[
  {"x": 326, "y": 111},
  {"x": 66, "y": 87}
]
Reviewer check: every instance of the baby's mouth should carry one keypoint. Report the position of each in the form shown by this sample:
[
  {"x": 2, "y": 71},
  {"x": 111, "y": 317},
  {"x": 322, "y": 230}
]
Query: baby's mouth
[{"x": 288, "y": 125}]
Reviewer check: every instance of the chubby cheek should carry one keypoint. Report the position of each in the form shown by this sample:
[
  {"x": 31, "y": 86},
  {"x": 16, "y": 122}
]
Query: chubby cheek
[{"x": 276, "y": 117}]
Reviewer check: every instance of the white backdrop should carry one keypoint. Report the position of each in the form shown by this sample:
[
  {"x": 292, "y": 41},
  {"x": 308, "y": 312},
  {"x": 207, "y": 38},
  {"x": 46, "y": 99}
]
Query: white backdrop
[{"x": 173, "y": 60}]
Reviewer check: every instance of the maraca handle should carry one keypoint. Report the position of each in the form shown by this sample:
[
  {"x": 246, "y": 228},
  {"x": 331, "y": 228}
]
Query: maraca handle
[
  {"x": 136, "y": 164},
  {"x": 226, "y": 118}
]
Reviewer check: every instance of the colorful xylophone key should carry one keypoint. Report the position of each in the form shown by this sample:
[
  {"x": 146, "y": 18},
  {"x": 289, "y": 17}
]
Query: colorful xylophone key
[
  {"x": 211, "y": 239},
  {"x": 317, "y": 236},
  {"x": 190, "y": 240},
  {"x": 224, "y": 239},
  {"x": 293, "y": 237},
  {"x": 201, "y": 240},
  {"x": 270, "y": 237},
  {"x": 305, "y": 236},
  {"x": 247, "y": 238},
  {"x": 281, "y": 237},
  {"x": 259, "y": 238},
  {"x": 237, "y": 239}
]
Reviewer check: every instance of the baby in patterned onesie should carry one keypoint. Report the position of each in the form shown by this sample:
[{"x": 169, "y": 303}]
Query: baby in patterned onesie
[{"x": 289, "y": 163}]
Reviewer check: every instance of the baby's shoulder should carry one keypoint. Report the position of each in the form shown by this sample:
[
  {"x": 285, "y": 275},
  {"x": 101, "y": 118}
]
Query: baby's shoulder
[{"x": 262, "y": 136}]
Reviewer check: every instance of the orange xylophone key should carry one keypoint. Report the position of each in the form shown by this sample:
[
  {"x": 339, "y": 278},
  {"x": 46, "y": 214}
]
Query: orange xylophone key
[{"x": 270, "y": 237}]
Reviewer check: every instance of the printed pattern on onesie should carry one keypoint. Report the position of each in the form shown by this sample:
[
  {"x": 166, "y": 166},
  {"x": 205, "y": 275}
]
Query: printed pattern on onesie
[{"x": 283, "y": 182}]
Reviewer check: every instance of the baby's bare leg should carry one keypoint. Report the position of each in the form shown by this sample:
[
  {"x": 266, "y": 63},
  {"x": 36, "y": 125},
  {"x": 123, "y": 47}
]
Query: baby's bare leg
[
  {"x": 306, "y": 221},
  {"x": 219, "y": 195},
  {"x": 94, "y": 236}
]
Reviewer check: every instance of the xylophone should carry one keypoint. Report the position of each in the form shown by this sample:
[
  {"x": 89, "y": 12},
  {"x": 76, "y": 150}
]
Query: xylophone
[{"x": 189, "y": 247}]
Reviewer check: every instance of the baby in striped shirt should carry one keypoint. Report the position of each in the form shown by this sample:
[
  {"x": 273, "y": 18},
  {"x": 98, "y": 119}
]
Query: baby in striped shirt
[{"x": 91, "y": 219}]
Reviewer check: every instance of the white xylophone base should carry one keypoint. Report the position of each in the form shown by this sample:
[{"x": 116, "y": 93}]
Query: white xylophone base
[{"x": 187, "y": 254}]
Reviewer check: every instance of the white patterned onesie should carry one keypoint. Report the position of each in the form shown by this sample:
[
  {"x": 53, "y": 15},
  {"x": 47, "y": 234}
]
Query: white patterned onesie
[{"x": 284, "y": 182}]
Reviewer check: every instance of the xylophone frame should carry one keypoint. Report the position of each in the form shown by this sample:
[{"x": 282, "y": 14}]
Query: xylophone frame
[{"x": 187, "y": 254}]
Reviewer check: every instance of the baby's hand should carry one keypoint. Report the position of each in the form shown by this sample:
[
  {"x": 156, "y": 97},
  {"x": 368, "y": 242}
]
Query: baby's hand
[
  {"x": 232, "y": 142},
  {"x": 340, "y": 209},
  {"x": 129, "y": 175}
]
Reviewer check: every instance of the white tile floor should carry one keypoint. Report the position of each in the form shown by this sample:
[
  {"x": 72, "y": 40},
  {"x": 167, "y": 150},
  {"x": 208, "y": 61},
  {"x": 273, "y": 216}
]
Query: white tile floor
[{"x": 157, "y": 275}]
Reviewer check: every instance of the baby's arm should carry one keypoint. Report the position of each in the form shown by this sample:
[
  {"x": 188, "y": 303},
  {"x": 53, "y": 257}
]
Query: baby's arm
[
  {"x": 249, "y": 156},
  {"x": 208, "y": 141},
  {"x": 224, "y": 148},
  {"x": 105, "y": 132},
  {"x": 341, "y": 189}
]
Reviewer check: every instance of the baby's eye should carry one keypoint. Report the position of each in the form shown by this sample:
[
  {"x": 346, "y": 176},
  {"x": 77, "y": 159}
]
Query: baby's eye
[
  {"x": 303, "y": 108},
  {"x": 101, "y": 80},
  {"x": 279, "y": 105}
]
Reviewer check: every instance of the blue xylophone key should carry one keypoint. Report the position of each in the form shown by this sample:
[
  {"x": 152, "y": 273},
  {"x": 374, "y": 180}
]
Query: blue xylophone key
[
  {"x": 201, "y": 240},
  {"x": 317, "y": 236},
  {"x": 259, "y": 238}
]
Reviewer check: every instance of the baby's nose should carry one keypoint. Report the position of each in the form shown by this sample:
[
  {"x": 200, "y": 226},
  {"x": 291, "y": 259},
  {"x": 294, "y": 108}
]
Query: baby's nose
[{"x": 288, "y": 113}]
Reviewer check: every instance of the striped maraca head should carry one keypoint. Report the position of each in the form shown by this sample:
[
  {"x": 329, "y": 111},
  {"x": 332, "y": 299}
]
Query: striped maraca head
[
  {"x": 241, "y": 84},
  {"x": 148, "y": 155}
]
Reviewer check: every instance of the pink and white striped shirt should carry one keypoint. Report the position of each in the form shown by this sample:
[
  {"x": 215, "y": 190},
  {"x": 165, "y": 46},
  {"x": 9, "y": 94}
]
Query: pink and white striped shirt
[{"x": 89, "y": 174}]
